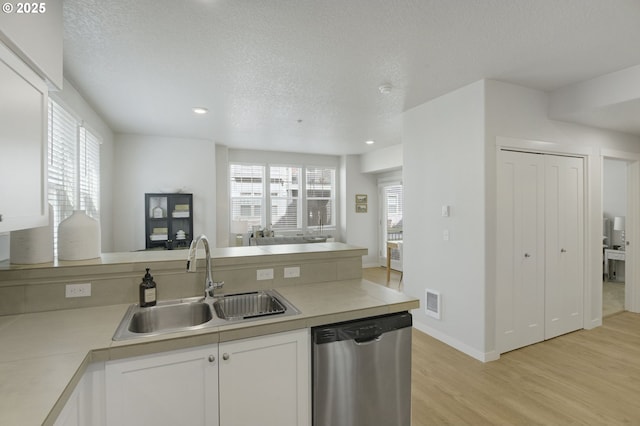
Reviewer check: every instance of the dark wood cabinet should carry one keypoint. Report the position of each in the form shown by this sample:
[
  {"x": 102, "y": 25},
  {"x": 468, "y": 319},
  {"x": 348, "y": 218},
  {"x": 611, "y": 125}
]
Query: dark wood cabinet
[{"x": 168, "y": 220}]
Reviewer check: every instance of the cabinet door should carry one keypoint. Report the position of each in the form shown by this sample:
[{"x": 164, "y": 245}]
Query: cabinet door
[
  {"x": 564, "y": 245},
  {"x": 266, "y": 380},
  {"x": 85, "y": 406},
  {"x": 520, "y": 256},
  {"x": 172, "y": 388},
  {"x": 23, "y": 173}
]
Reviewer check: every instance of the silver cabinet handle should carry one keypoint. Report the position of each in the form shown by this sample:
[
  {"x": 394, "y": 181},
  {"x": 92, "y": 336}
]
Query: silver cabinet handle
[
  {"x": 212, "y": 358},
  {"x": 527, "y": 255},
  {"x": 226, "y": 356}
]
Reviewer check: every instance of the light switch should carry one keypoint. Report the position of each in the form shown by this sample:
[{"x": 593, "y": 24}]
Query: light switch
[
  {"x": 445, "y": 211},
  {"x": 445, "y": 235}
]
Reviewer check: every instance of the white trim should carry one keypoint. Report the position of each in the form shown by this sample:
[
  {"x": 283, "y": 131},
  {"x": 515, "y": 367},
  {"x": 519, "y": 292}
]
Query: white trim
[
  {"x": 543, "y": 146},
  {"x": 457, "y": 344}
]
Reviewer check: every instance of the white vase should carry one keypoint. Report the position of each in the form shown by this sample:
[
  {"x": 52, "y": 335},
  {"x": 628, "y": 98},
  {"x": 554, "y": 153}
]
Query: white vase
[
  {"x": 35, "y": 245},
  {"x": 78, "y": 237}
]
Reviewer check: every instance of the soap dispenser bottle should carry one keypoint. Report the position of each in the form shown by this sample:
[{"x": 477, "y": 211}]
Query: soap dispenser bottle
[{"x": 147, "y": 291}]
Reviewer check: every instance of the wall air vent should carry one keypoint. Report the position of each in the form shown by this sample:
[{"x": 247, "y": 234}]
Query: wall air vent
[{"x": 433, "y": 303}]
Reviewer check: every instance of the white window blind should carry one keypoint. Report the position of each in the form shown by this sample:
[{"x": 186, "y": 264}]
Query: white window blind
[
  {"x": 320, "y": 191},
  {"x": 290, "y": 190},
  {"x": 247, "y": 193},
  {"x": 284, "y": 192},
  {"x": 73, "y": 167},
  {"x": 89, "y": 179}
]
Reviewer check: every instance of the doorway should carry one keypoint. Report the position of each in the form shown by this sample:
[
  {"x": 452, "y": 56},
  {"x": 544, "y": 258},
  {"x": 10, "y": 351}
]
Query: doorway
[
  {"x": 390, "y": 229},
  {"x": 615, "y": 179}
]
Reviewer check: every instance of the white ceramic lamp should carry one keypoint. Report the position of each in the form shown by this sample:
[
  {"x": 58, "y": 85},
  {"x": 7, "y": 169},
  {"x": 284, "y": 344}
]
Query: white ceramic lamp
[{"x": 619, "y": 225}]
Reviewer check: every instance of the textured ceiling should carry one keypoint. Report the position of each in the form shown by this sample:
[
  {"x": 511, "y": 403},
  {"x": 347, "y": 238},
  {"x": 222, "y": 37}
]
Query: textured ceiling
[{"x": 260, "y": 66}]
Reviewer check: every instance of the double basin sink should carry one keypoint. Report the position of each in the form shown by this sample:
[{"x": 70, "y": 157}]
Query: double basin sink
[{"x": 197, "y": 313}]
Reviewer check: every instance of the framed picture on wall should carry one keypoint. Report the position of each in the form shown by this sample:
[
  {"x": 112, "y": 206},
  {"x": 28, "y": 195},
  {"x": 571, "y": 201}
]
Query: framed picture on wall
[
  {"x": 361, "y": 199},
  {"x": 361, "y": 208}
]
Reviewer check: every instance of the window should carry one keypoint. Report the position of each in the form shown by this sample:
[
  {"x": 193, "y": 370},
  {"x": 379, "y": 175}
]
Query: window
[
  {"x": 73, "y": 168},
  {"x": 320, "y": 196},
  {"x": 247, "y": 191},
  {"x": 285, "y": 208},
  {"x": 286, "y": 196}
]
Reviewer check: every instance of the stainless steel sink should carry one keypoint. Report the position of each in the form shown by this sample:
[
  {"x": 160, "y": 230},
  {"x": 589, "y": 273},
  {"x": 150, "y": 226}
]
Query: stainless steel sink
[
  {"x": 166, "y": 317},
  {"x": 197, "y": 313},
  {"x": 181, "y": 315},
  {"x": 248, "y": 305}
]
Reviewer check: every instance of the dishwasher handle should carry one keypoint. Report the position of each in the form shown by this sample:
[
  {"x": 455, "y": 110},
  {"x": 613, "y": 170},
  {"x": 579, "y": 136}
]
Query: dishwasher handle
[{"x": 368, "y": 341}]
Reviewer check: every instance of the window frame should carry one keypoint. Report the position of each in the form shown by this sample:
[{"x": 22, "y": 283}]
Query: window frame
[{"x": 267, "y": 216}]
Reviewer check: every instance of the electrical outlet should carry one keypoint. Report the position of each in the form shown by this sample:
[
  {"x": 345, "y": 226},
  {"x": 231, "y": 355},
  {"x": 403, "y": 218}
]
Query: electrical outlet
[
  {"x": 292, "y": 272},
  {"x": 77, "y": 290},
  {"x": 264, "y": 274}
]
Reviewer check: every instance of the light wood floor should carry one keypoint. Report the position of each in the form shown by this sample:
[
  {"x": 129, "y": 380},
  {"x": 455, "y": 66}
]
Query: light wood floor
[{"x": 589, "y": 377}]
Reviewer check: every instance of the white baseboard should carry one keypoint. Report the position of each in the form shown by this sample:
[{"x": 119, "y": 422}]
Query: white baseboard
[
  {"x": 455, "y": 343},
  {"x": 370, "y": 264},
  {"x": 596, "y": 322}
]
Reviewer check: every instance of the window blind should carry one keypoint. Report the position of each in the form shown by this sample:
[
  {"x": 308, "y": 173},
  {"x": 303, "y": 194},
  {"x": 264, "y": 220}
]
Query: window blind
[
  {"x": 73, "y": 168},
  {"x": 290, "y": 190},
  {"x": 320, "y": 191},
  {"x": 247, "y": 192},
  {"x": 284, "y": 191}
]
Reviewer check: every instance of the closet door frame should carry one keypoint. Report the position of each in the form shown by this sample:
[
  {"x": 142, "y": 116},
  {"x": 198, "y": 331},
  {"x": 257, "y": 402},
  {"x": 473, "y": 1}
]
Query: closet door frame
[{"x": 592, "y": 262}]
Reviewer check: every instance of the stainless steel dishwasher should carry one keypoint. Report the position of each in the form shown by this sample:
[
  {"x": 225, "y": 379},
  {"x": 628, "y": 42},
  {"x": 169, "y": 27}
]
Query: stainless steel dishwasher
[{"x": 362, "y": 372}]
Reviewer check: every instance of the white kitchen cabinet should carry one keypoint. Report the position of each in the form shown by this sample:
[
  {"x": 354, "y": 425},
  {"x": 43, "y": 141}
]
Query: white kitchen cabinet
[
  {"x": 266, "y": 380},
  {"x": 257, "y": 381},
  {"x": 85, "y": 406},
  {"x": 171, "y": 388},
  {"x": 23, "y": 145}
]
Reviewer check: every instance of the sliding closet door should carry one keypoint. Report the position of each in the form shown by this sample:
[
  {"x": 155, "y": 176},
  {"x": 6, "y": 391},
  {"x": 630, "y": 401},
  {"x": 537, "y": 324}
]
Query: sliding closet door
[
  {"x": 520, "y": 267},
  {"x": 564, "y": 245}
]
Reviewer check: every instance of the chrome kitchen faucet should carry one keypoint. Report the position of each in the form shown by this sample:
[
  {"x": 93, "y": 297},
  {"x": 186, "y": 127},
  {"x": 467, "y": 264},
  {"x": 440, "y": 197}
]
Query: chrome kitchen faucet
[{"x": 209, "y": 284}]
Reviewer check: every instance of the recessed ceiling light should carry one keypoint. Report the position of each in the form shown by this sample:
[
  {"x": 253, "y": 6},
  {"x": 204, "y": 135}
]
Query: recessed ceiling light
[
  {"x": 200, "y": 110},
  {"x": 370, "y": 142}
]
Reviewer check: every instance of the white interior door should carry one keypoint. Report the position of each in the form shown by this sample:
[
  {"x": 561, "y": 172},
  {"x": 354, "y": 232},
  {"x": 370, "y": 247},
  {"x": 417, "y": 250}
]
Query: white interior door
[
  {"x": 564, "y": 245},
  {"x": 540, "y": 253},
  {"x": 520, "y": 268}
]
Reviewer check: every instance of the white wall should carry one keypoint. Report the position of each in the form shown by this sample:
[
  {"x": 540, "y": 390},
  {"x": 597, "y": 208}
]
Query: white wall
[
  {"x": 380, "y": 160},
  {"x": 146, "y": 164},
  {"x": 359, "y": 229},
  {"x": 450, "y": 158},
  {"x": 223, "y": 235},
  {"x": 518, "y": 112},
  {"x": 614, "y": 188},
  {"x": 73, "y": 101},
  {"x": 443, "y": 152},
  {"x": 614, "y": 194}
]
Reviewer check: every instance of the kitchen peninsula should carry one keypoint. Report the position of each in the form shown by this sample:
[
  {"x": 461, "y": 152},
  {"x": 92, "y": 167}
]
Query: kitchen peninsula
[{"x": 48, "y": 343}]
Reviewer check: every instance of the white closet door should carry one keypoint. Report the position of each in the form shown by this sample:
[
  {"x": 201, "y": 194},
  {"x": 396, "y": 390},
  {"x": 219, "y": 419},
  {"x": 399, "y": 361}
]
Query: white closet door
[
  {"x": 520, "y": 266},
  {"x": 564, "y": 245}
]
